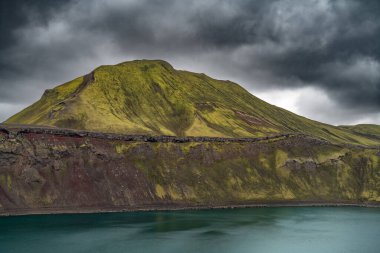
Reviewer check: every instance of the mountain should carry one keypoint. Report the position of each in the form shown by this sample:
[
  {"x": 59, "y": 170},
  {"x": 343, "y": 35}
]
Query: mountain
[
  {"x": 53, "y": 168},
  {"x": 151, "y": 97}
]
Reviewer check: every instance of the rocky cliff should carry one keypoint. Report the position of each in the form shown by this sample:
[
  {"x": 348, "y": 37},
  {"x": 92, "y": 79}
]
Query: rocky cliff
[{"x": 47, "y": 170}]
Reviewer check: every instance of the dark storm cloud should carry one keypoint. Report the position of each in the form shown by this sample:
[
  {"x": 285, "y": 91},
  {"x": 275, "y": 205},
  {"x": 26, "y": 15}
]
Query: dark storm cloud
[
  {"x": 264, "y": 45},
  {"x": 341, "y": 57},
  {"x": 12, "y": 16}
]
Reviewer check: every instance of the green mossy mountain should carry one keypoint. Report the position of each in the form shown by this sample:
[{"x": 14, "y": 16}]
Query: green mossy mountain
[
  {"x": 58, "y": 170},
  {"x": 151, "y": 97}
]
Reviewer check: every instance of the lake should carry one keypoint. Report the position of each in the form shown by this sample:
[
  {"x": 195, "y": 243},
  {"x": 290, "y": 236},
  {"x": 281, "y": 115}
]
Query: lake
[{"x": 254, "y": 230}]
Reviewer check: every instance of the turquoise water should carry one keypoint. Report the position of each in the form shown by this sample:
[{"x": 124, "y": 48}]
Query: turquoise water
[{"x": 266, "y": 230}]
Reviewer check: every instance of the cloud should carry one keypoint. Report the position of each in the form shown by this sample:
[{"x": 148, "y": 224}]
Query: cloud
[
  {"x": 324, "y": 108},
  {"x": 315, "y": 104},
  {"x": 330, "y": 47},
  {"x": 7, "y": 109}
]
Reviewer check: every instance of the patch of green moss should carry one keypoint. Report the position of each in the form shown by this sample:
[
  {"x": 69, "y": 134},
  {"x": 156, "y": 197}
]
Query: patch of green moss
[
  {"x": 122, "y": 147},
  {"x": 9, "y": 182},
  {"x": 3, "y": 181},
  {"x": 160, "y": 192},
  {"x": 281, "y": 158},
  {"x": 186, "y": 147},
  {"x": 6, "y": 182}
]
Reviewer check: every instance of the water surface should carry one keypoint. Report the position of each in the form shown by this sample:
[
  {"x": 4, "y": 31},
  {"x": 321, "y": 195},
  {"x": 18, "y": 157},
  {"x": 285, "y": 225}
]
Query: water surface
[{"x": 266, "y": 230}]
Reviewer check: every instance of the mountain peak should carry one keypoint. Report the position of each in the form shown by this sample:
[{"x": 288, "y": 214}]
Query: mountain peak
[{"x": 147, "y": 62}]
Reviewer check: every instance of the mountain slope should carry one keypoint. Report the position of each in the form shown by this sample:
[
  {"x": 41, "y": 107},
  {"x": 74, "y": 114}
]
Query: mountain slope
[
  {"x": 367, "y": 130},
  {"x": 151, "y": 97}
]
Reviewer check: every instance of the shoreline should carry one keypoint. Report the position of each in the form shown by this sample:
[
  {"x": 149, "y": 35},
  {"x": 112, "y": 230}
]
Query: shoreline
[{"x": 147, "y": 208}]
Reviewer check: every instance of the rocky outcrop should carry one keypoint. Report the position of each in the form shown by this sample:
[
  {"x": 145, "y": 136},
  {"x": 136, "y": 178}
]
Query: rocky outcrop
[
  {"x": 19, "y": 130},
  {"x": 57, "y": 170}
]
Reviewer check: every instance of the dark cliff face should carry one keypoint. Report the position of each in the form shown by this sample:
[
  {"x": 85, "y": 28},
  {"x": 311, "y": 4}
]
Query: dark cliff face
[{"x": 42, "y": 172}]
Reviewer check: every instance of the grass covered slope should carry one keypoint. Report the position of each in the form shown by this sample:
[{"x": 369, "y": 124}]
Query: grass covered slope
[
  {"x": 368, "y": 130},
  {"x": 151, "y": 97}
]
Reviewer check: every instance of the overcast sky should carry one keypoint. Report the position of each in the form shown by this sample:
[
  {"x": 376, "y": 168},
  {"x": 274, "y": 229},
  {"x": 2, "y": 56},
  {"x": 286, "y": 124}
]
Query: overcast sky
[{"x": 317, "y": 58}]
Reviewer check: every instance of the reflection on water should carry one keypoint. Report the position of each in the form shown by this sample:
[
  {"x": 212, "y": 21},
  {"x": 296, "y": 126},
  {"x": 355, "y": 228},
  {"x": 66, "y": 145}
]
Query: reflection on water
[{"x": 266, "y": 230}]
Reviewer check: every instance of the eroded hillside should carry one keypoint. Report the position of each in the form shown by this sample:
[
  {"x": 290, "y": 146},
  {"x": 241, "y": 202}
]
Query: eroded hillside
[{"x": 49, "y": 172}]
